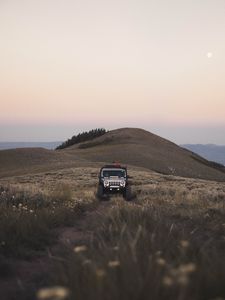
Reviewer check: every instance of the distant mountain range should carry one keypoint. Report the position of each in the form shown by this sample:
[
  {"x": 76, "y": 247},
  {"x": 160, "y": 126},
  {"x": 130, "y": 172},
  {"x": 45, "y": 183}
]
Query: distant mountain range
[
  {"x": 13, "y": 145},
  {"x": 210, "y": 151}
]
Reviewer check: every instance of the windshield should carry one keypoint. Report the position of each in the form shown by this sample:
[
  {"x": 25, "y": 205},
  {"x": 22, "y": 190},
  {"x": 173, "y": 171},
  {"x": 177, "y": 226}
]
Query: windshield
[{"x": 117, "y": 173}]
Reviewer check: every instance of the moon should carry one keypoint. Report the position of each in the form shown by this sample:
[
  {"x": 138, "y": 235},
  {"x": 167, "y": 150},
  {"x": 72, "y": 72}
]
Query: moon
[{"x": 209, "y": 54}]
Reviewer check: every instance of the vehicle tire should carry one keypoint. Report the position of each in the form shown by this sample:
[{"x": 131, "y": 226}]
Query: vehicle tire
[
  {"x": 127, "y": 193},
  {"x": 100, "y": 192}
]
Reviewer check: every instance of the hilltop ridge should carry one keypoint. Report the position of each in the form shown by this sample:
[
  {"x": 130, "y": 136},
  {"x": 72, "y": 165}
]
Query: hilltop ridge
[
  {"x": 132, "y": 146},
  {"x": 142, "y": 148}
]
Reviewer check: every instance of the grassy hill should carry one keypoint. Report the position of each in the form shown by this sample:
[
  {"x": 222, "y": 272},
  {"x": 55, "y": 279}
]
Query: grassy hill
[
  {"x": 131, "y": 146},
  {"x": 14, "y": 145},
  {"x": 34, "y": 160},
  {"x": 141, "y": 148},
  {"x": 25, "y": 160}
]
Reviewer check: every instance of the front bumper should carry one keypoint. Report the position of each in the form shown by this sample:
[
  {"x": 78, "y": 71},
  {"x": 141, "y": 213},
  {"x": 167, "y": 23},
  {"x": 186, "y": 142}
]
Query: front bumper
[{"x": 114, "y": 189}]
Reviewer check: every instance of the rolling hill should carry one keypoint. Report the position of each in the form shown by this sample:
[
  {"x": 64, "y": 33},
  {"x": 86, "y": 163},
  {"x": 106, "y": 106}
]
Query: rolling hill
[
  {"x": 35, "y": 160},
  {"x": 141, "y": 148},
  {"x": 130, "y": 146},
  {"x": 14, "y": 145}
]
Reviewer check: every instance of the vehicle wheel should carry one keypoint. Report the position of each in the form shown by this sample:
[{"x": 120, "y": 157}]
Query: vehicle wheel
[
  {"x": 100, "y": 192},
  {"x": 127, "y": 193}
]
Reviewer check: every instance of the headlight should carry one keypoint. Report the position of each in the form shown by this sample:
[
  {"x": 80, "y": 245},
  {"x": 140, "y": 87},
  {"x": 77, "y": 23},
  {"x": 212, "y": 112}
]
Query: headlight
[
  {"x": 106, "y": 183},
  {"x": 122, "y": 183}
]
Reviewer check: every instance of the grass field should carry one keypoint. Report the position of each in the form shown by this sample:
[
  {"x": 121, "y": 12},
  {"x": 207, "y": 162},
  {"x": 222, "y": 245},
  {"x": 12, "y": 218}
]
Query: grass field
[{"x": 59, "y": 242}]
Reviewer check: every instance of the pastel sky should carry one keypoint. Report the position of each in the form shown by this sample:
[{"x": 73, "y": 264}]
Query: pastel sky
[{"x": 73, "y": 65}]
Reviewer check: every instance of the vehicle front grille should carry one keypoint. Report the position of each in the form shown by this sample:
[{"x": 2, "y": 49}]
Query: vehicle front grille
[{"x": 114, "y": 183}]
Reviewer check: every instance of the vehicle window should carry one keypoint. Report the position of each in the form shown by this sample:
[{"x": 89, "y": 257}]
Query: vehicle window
[{"x": 109, "y": 173}]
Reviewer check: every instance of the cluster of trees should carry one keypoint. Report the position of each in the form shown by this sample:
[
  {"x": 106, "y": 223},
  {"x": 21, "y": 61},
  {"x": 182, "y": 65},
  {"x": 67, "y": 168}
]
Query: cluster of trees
[{"x": 82, "y": 137}]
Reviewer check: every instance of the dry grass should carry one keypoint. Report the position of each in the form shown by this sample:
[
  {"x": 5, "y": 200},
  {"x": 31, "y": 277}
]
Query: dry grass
[
  {"x": 28, "y": 217},
  {"x": 166, "y": 244},
  {"x": 16, "y": 162}
]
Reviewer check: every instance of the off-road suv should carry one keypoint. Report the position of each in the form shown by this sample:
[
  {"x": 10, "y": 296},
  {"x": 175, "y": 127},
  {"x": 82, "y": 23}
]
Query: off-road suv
[{"x": 113, "y": 179}]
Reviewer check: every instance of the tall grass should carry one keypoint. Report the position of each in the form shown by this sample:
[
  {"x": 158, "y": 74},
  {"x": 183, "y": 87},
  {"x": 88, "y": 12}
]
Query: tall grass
[
  {"x": 28, "y": 218},
  {"x": 166, "y": 244},
  {"x": 148, "y": 250}
]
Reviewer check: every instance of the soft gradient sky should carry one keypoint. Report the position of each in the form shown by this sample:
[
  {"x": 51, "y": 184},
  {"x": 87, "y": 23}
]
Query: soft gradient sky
[{"x": 71, "y": 65}]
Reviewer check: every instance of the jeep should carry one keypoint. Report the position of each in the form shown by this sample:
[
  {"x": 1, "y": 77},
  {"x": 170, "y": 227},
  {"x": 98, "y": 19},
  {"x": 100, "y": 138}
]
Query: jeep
[{"x": 113, "y": 179}]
